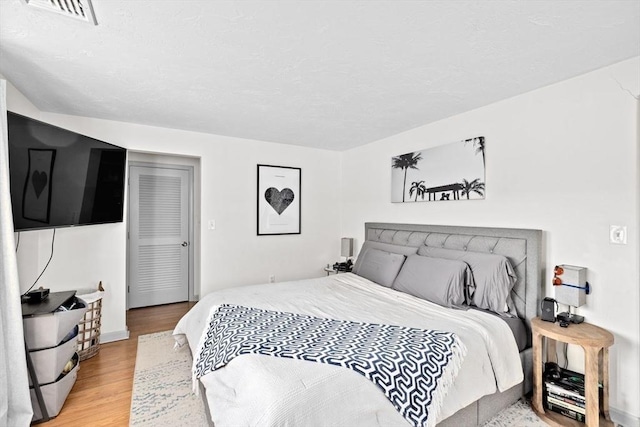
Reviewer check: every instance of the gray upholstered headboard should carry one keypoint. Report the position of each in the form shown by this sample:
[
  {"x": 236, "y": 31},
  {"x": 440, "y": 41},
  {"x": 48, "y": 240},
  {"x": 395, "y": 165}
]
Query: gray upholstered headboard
[{"x": 521, "y": 246}]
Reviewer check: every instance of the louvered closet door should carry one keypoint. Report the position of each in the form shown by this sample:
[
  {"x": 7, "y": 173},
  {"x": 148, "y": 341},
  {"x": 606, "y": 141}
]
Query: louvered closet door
[{"x": 158, "y": 236}]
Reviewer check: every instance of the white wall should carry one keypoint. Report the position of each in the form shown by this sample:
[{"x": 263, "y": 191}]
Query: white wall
[
  {"x": 232, "y": 254},
  {"x": 563, "y": 159}
]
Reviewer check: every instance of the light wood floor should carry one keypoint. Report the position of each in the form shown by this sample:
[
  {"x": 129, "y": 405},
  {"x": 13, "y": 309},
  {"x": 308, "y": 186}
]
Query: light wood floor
[{"x": 101, "y": 395}]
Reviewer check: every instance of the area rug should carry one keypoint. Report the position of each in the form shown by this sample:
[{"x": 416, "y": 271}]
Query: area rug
[
  {"x": 162, "y": 385},
  {"x": 162, "y": 390},
  {"x": 519, "y": 414}
]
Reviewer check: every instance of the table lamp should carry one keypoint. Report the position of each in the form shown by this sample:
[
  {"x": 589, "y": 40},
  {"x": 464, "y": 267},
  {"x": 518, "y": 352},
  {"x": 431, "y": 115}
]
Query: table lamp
[
  {"x": 346, "y": 247},
  {"x": 571, "y": 288}
]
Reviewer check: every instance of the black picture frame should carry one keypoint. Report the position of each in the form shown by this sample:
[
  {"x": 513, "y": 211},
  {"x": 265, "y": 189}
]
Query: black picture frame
[{"x": 279, "y": 200}]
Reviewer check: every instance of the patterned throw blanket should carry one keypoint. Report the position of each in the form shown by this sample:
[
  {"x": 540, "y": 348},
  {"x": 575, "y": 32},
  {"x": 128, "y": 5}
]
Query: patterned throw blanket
[{"x": 413, "y": 367}]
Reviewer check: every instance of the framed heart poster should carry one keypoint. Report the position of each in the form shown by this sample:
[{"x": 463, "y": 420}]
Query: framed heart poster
[{"x": 278, "y": 200}]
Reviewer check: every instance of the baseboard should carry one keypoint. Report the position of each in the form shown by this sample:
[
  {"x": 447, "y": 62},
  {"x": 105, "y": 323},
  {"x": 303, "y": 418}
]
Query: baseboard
[
  {"x": 114, "y": 336},
  {"x": 623, "y": 419}
]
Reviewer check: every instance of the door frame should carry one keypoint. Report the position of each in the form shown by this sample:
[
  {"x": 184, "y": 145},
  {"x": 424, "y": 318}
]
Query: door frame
[{"x": 190, "y": 215}]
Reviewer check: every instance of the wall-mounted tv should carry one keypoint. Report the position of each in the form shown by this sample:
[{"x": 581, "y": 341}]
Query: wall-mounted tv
[{"x": 60, "y": 178}]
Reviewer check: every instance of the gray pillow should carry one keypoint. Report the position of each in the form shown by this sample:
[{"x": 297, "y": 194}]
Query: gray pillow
[
  {"x": 493, "y": 277},
  {"x": 380, "y": 266},
  {"x": 387, "y": 247},
  {"x": 441, "y": 281}
]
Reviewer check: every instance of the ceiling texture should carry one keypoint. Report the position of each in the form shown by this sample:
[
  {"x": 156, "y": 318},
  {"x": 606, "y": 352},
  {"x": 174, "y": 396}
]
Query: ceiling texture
[{"x": 326, "y": 74}]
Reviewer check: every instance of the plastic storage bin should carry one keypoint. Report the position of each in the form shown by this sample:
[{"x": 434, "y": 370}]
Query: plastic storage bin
[
  {"x": 48, "y": 330},
  {"x": 48, "y": 363},
  {"x": 55, "y": 394}
]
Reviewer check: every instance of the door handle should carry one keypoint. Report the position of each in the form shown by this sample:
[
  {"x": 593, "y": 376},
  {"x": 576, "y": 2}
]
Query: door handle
[{"x": 185, "y": 244}]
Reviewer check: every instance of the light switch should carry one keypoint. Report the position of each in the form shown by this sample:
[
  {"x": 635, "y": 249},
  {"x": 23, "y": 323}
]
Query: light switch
[
  {"x": 618, "y": 234},
  {"x": 212, "y": 224}
]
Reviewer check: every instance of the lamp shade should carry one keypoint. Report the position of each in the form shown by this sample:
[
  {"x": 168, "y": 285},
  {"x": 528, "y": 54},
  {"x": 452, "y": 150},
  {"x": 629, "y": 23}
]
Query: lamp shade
[
  {"x": 571, "y": 285},
  {"x": 346, "y": 247},
  {"x": 571, "y": 295}
]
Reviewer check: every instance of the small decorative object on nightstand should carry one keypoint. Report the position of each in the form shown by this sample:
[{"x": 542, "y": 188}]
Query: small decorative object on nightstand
[
  {"x": 344, "y": 267},
  {"x": 596, "y": 342}
]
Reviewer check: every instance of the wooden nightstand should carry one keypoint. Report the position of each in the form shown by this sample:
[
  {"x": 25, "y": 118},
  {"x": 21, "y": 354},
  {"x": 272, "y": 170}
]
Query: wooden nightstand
[{"x": 596, "y": 342}]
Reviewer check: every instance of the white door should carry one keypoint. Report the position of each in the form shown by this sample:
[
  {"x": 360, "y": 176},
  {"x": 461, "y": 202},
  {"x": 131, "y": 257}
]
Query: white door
[{"x": 159, "y": 217}]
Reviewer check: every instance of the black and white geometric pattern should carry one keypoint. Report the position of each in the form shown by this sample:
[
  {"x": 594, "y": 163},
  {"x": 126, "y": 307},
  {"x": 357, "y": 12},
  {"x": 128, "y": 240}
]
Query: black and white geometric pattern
[{"x": 407, "y": 364}]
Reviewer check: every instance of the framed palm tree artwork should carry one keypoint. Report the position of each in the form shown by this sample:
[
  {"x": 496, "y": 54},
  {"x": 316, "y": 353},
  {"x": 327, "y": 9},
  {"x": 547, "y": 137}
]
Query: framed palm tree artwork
[
  {"x": 279, "y": 200},
  {"x": 453, "y": 171}
]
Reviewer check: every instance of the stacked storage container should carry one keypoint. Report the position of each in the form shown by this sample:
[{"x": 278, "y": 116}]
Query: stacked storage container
[{"x": 51, "y": 342}]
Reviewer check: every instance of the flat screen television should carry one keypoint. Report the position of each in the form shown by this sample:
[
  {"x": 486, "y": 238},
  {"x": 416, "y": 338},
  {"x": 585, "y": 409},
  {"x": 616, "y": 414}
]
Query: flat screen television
[{"x": 60, "y": 178}]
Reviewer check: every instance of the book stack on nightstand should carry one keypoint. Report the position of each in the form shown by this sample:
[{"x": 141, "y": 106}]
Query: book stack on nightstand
[{"x": 564, "y": 392}]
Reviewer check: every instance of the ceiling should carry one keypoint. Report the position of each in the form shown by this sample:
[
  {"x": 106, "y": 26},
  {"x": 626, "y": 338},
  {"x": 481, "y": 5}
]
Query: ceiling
[{"x": 327, "y": 74}]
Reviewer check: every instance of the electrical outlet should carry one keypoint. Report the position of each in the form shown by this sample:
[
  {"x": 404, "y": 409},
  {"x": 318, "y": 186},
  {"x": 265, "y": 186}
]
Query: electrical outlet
[
  {"x": 272, "y": 279},
  {"x": 618, "y": 234}
]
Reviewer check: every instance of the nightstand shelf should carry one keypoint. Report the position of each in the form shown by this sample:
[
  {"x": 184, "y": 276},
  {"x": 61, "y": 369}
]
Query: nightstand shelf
[
  {"x": 596, "y": 342},
  {"x": 558, "y": 420}
]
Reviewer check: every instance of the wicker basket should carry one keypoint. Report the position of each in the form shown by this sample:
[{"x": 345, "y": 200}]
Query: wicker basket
[{"x": 89, "y": 328}]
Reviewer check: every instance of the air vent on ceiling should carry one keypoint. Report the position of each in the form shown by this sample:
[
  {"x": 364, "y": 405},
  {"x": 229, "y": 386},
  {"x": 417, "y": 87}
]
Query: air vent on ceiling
[{"x": 76, "y": 9}]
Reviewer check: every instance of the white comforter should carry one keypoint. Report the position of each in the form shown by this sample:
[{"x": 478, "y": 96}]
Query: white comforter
[{"x": 257, "y": 390}]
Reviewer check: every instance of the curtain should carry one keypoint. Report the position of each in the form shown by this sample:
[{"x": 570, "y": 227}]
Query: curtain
[{"x": 15, "y": 402}]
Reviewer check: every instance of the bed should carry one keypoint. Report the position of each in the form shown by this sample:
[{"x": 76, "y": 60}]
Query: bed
[{"x": 497, "y": 370}]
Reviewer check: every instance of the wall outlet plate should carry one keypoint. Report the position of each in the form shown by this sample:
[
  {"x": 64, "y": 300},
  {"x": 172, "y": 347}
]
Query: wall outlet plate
[{"x": 618, "y": 234}]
